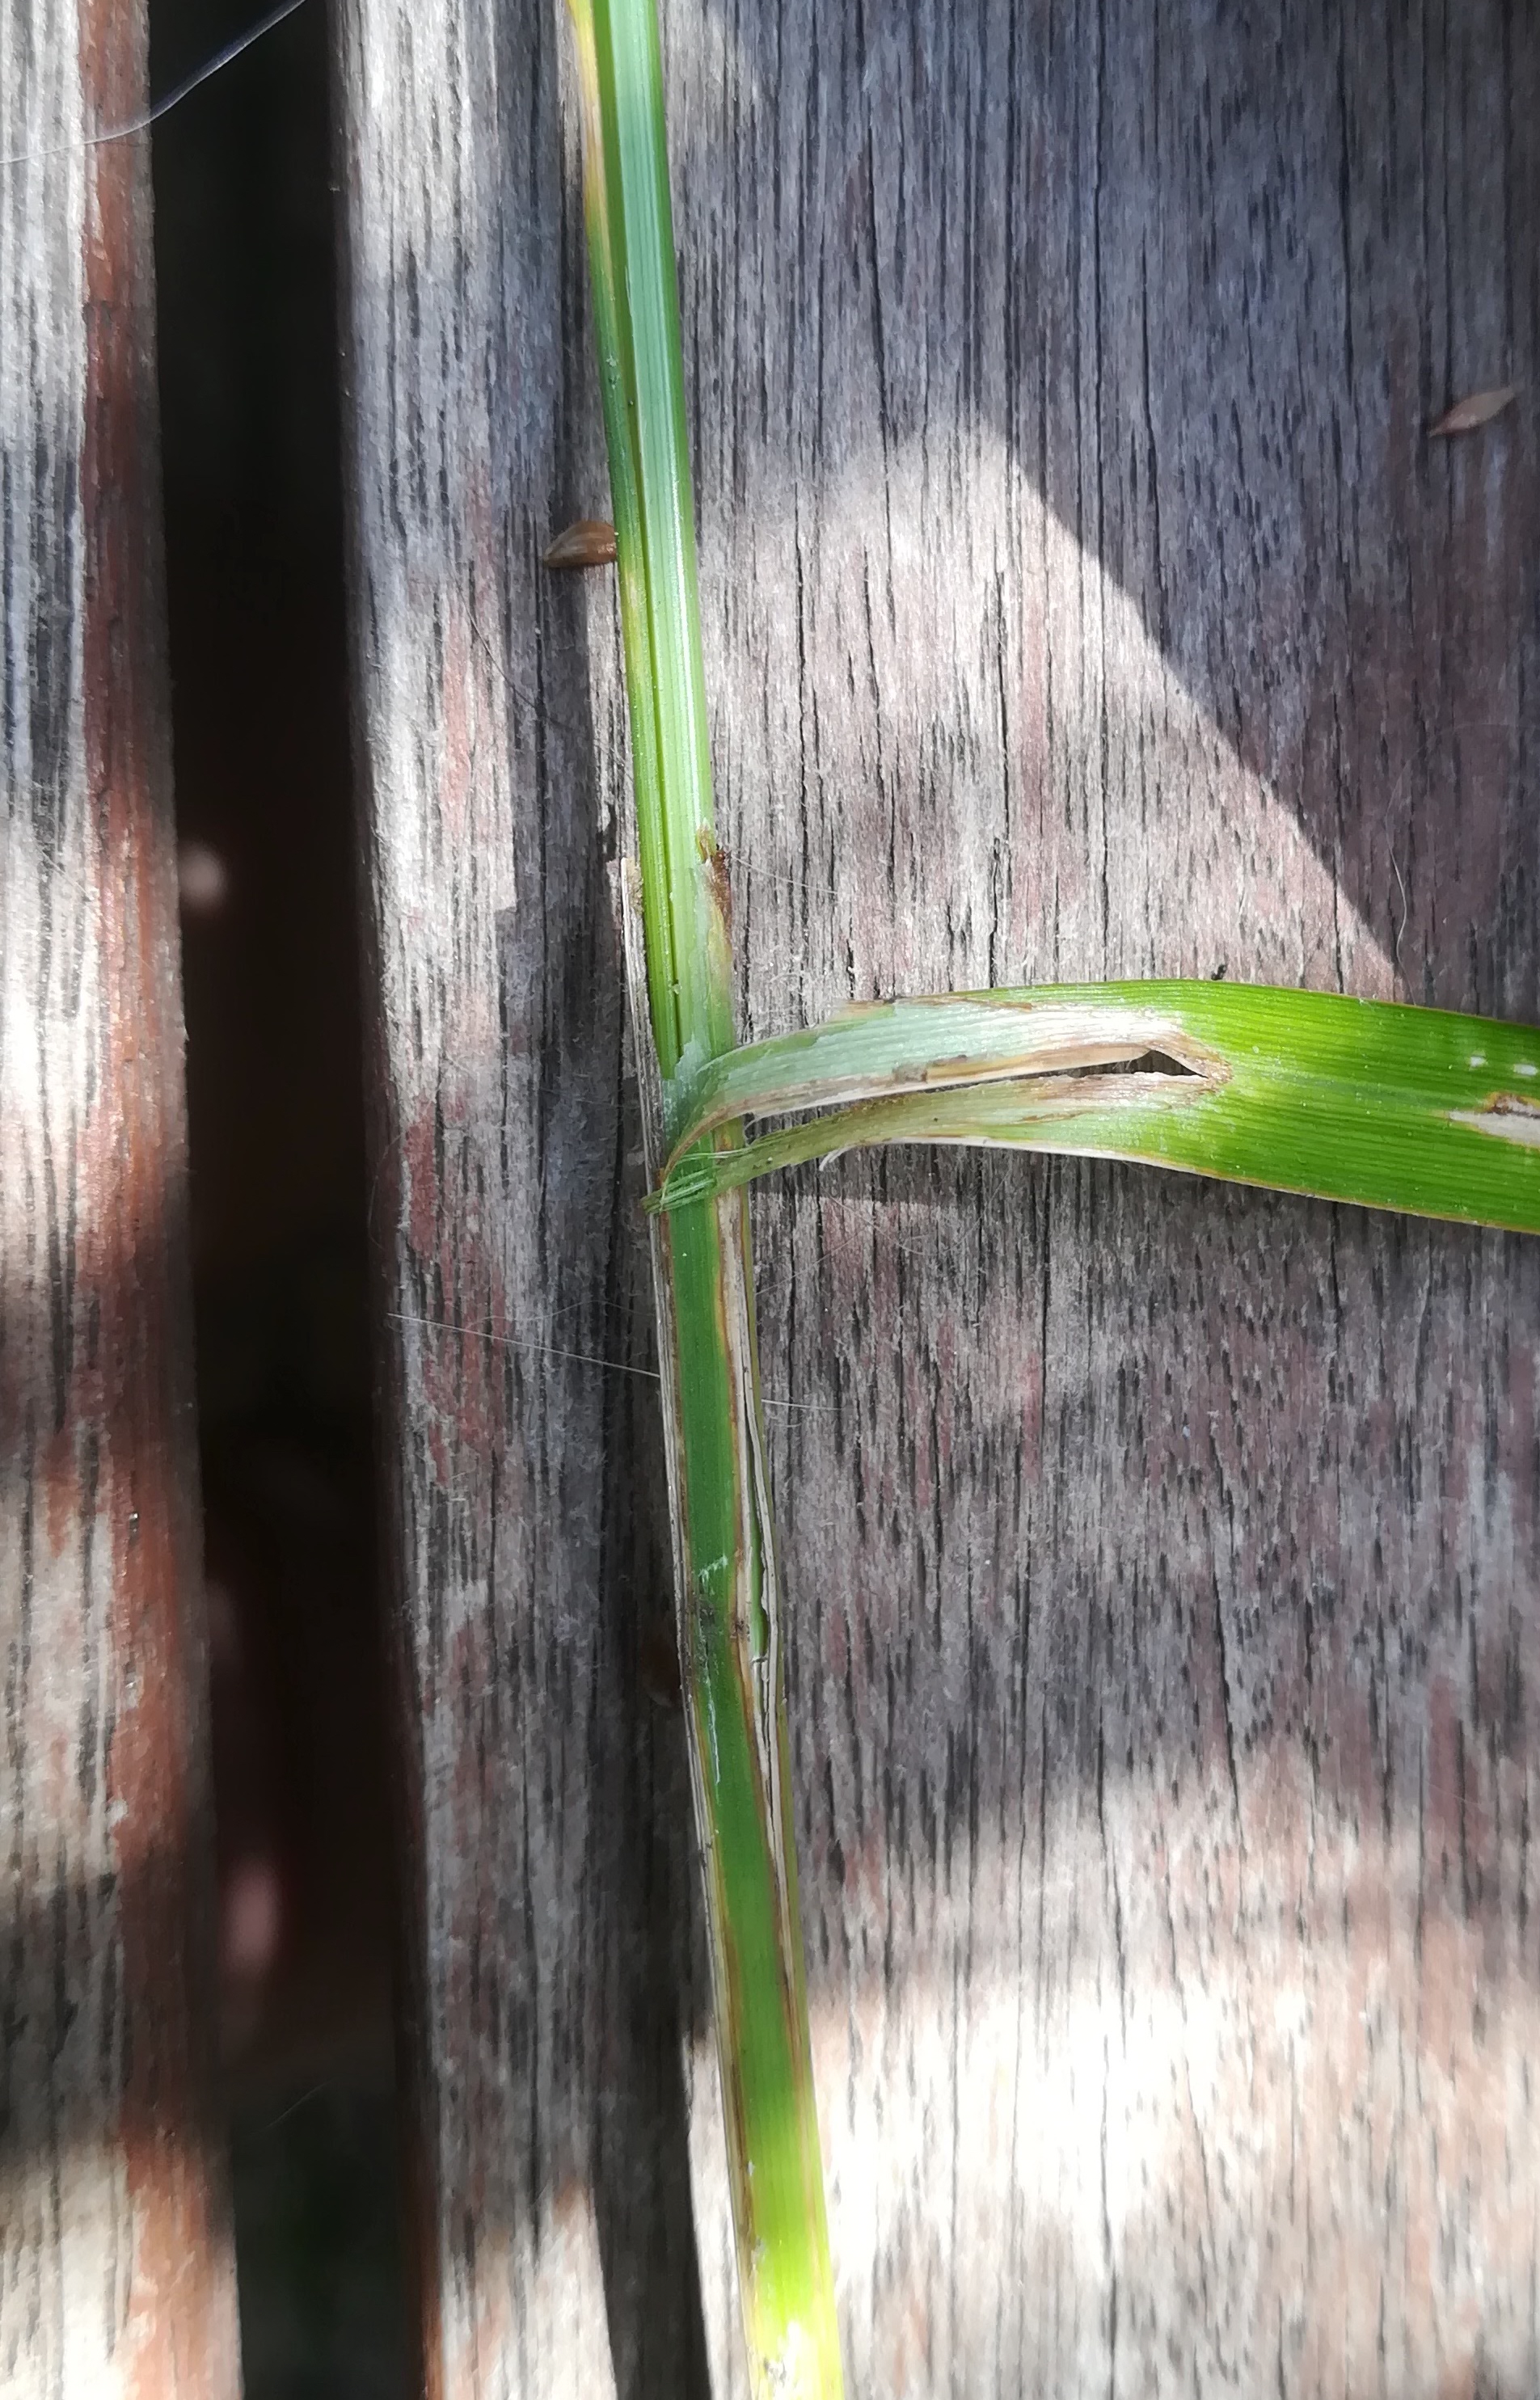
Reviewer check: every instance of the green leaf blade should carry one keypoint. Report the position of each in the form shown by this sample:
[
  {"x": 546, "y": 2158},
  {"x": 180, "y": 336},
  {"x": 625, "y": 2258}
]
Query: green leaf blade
[{"x": 1371, "y": 1102}]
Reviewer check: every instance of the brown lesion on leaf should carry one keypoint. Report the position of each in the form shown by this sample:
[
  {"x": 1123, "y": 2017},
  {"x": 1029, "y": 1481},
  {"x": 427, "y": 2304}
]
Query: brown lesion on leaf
[
  {"x": 713, "y": 859},
  {"x": 1066, "y": 1074},
  {"x": 1174, "y": 1057},
  {"x": 1506, "y": 1115}
]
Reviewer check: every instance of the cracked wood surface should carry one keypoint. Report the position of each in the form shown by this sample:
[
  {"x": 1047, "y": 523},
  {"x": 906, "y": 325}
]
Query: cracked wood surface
[
  {"x": 1083, "y": 597},
  {"x": 117, "y": 2269}
]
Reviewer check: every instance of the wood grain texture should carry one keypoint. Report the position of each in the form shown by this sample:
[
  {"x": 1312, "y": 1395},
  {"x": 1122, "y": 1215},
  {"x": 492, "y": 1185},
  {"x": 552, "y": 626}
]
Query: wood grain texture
[
  {"x": 117, "y": 2272},
  {"x": 1083, "y": 597},
  {"x": 545, "y": 1802}
]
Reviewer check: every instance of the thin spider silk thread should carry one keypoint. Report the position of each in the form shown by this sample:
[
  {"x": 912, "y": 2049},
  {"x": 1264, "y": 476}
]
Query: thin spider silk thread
[{"x": 163, "y": 107}]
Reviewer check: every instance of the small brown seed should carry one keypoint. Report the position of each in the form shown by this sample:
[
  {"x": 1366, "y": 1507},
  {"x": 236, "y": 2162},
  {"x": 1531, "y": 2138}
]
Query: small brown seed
[
  {"x": 590, "y": 542},
  {"x": 1476, "y": 409}
]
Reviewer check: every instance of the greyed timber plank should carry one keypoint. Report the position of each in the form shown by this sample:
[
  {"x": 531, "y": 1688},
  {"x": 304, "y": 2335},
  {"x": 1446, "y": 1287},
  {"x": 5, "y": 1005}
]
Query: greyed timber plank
[
  {"x": 545, "y": 1800},
  {"x": 1083, "y": 597},
  {"x": 117, "y": 2272}
]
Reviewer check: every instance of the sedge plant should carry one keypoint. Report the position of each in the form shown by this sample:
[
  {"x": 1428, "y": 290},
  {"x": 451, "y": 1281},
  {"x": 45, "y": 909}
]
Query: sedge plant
[{"x": 1383, "y": 1105}]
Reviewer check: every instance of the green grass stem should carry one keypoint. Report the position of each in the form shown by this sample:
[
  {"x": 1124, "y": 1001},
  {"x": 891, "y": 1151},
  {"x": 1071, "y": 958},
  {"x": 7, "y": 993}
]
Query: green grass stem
[{"x": 727, "y": 1604}]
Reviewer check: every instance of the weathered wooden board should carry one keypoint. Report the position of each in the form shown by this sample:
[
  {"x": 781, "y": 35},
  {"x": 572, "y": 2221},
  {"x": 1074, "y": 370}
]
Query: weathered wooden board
[
  {"x": 545, "y": 1800},
  {"x": 1083, "y": 597},
  {"x": 116, "y": 2274}
]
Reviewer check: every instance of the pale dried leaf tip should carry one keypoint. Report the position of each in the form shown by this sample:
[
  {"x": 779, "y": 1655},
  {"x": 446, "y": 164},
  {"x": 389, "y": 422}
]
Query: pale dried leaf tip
[
  {"x": 590, "y": 542},
  {"x": 1476, "y": 409}
]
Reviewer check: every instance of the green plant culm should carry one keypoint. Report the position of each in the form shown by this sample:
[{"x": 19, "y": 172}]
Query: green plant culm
[
  {"x": 724, "y": 1558},
  {"x": 1386, "y": 1105}
]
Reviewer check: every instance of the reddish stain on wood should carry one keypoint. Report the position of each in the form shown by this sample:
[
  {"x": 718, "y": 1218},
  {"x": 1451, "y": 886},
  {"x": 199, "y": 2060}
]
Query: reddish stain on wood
[
  {"x": 108, "y": 1721},
  {"x": 179, "y": 2332}
]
